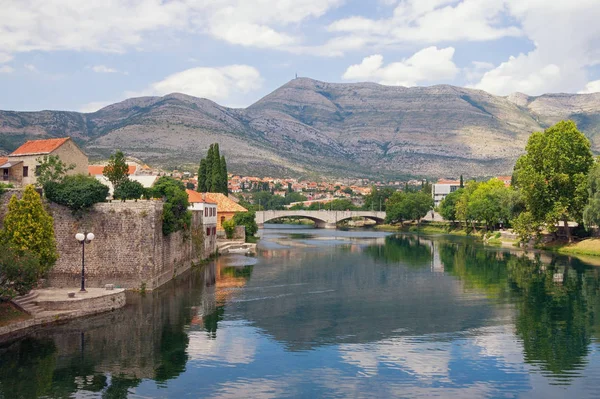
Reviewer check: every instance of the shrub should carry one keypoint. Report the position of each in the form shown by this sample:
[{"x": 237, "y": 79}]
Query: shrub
[
  {"x": 229, "y": 227},
  {"x": 129, "y": 189},
  {"x": 247, "y": 219},
  {"x": 19, "y": 272},
  {"x": 76, "y": 192},
  {"x": 28, "y": 227},
  {"x": 176, "y": 215}
]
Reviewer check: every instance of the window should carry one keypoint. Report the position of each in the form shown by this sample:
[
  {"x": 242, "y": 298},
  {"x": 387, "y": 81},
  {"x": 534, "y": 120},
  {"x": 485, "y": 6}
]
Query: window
[
  {"x": 205, "y": 212},
  {"x": 214, "y": 230},
  {"x": 214, "y": 211},
  {"x": 208, "y": 231},
  {"x": 25, "y": 171}
]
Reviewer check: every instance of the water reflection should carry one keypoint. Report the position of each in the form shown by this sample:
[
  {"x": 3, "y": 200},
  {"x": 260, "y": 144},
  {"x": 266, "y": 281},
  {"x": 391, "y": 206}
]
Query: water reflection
[{"x": 338, "y": 314}]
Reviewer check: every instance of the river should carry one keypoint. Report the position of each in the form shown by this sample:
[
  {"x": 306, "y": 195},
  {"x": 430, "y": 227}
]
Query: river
[{"x": 329, "y": 313}]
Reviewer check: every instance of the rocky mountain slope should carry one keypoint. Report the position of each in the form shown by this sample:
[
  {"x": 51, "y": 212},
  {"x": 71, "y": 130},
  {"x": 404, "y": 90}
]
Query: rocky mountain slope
[{"x": 357, "y": 129}]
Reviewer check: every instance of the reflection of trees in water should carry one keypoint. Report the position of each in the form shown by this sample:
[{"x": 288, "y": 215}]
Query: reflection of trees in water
[
  {"x": 412, "y": 251},
  {"x": 555, "y": 319},
  {"x": 146, "y": 339}
]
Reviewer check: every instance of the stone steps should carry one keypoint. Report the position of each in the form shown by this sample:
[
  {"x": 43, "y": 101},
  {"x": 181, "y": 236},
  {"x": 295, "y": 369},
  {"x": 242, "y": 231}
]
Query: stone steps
[{"x": 28, "y": 303}]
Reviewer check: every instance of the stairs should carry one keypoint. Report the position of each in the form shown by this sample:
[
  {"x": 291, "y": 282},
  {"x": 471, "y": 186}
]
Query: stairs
[{"x": 28, "y": 303}]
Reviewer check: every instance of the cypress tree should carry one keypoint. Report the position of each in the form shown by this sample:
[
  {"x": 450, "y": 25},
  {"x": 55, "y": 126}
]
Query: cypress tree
[
  {"x": 209, "y": 168},
  {"x": 202, "y": 176},
  {"x": 215, "y": 176},
  {"x": 224, "y": 188},
  {"x": 461, "y": 181}
]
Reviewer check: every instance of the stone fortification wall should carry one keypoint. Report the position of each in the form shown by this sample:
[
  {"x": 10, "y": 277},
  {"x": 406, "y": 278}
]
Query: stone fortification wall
[{"x": 129, "y": 250}]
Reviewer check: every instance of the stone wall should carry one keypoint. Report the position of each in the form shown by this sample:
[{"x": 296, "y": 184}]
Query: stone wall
[{"x": 129, "y": 250}]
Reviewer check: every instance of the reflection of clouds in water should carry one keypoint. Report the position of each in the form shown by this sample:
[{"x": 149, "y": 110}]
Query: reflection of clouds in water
[
  {"x": 230, "y": 345},
  {"x": 260, "y": 388},
  {"x": 500, "y": 342},
  {"x": 422, "y": 359}
]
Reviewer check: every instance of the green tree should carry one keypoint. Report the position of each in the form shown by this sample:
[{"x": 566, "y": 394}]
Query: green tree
[
  {"x": 129, "y": 189},
  {"x": 51, "y": 168},
  {"x": 176, "y": 215},
  {"x": 117, "y": 170},
  {"x": 341, "y": 205},
  {"x": 209, "y": 168},
  {"x": 347, "y": 190},
  {"x": 224, "y": 189},
  {"x": 408, "y": 206},
  {"x": 377, "y": 198},
  {"x": 552, "y": 175},
  {"x": 247, "y": 219},
  {"x": 77, "y": 192},
  {"x": 462, "y": 205},
  {"x": 591, "y": 212},
  {"x": 447, "y": 207},
  {"x": 215, "y": 176},
  {"x": 229, "y": 227},
  {"x": 19, "y": 272},
  {"x": 28, "y": 227},
  {"x": 462, "y": 184},
  {"x": 202, "y": 176},
  {"x": 490, "y": 203}
]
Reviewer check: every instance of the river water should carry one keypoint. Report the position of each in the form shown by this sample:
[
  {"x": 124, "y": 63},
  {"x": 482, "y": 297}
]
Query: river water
[{"x": 320, "y": 313}]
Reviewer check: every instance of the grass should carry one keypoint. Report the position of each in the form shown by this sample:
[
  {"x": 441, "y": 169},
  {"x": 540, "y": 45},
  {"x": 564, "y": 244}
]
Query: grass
[
  {"x": 429, "y": 228},
  {"x": 11, "y": 314},
  {"x": 587, "y": 247}
]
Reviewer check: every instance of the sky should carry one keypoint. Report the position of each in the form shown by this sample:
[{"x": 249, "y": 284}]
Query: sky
[{"x": 83, "y": 55}]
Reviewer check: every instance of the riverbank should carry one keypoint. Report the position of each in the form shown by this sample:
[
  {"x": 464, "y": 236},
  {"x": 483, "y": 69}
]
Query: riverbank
[
  {"x": 587, "y": 247},
  {"x": 428, "y": 228}
]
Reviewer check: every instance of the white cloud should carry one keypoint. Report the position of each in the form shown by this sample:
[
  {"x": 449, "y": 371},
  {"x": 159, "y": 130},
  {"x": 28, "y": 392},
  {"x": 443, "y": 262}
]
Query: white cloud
[
  {"x": 214, "y": 83},
  {"x": 115, "y": 26},
  {"x": 30, "y": 67},
  {"x": 562, "y": 54},
  {"x": 102, "y": 69},
  {"x": 94, "y": 106},
  {"x": 430, "y": 21},
  {"x": 5, "y": 57},
  {"x": 6, "y": 69},
  {"x": 591, "y": 87},
  {"x": 427, "y": 65}
]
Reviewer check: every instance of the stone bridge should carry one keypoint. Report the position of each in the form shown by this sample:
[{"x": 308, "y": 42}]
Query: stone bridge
[{"x": 323, "y": 219}]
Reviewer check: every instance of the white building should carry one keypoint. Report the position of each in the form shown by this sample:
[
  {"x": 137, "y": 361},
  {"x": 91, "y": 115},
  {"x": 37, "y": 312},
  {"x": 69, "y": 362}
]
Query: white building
[
  {"x": 442, "y": 188},
  {"x": 208, "y": 211}
]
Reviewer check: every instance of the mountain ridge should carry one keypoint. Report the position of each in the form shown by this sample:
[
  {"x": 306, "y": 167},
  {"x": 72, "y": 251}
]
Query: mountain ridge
[{"x": 312, "y": 127}]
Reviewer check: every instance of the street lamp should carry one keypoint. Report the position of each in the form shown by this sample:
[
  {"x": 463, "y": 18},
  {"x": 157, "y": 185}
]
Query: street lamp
[{"x": 83, "y": 238}]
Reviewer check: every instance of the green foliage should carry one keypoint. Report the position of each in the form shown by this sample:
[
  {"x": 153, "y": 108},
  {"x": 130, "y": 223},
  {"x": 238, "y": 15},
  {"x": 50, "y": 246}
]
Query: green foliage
[
  {"x": 552, "y": 175},
  {"x": 347, "y": 190},
  {"x": 129, "y": 189},
  {"x": 270, "y": 201},
  {"x": 176, "y": 215},
  {"x": 247, "y": 219},
  {"x": 212, "y": 172},
  {"x": 117, "y": 170},
  {"x": 29, "y": 228},
  {"x": 340, "y": 205},
  {"x": 403, "y": 206},
  {"x": 491, "y": 202},
  {"x": 4, "y": 187},
  {"x": 447, "y": 207},
  {"x": 376, "y": 199},
  {"x": 77, "y": 192},
  {"x": 51, "y": 169},
  {"x": 229, "y": 227},
  {"x": 19, "y": 272},
  {"x": 591, "y": 212}
]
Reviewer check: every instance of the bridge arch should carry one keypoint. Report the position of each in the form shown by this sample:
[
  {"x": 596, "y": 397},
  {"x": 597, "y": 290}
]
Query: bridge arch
[{"x": 322, "y": 219}]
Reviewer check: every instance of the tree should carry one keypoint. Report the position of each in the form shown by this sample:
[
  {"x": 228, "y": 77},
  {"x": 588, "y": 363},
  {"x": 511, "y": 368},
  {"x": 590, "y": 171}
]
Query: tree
[
  {"x": 490, "y": 203},
  {"x": 202, "y": 176},
  {"x": 129, "y": 189},
  {"x": 77, "y": 192},
  {"x": 117, "y": 170},
  {"x": 461, "y": 182},
  {"x": 28, "y": 227},
  {"x": 176, "y": 215},
  {"x": 51, "y": 168},
  {"x": 447, "y": 207},
  {"x": 248, "y": 220},
  {"x": 229, "y": 227},
  {"x": 348, "y": 190},
  {"x": 591, "y": 213},
  {"x": 408, "y": 206},
  {"x": 224, "y": 189},
  {"x": 552, "y": 175},
  {"x": 19, "y": 272},
  {"x": 215, "y": 177},
  {"x": 340, "y": 205},
  {"x": 462, "y": 205},
  {"x": 376, "y": 199}
]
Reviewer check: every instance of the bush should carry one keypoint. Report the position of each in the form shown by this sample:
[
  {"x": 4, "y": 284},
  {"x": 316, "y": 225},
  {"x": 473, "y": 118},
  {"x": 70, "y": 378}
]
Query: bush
[
  {"x": 76, "y": 192},
  {"x": 176, "y": 215},
  {"x": 248, "y": 220},
  {"x": 229, "y": 227},
  {"x": 28, "y": 227},
  {"x": 18, "y": 272},
  {"x": 4, "y": 187},
  {"x": 129, "y": 189}
]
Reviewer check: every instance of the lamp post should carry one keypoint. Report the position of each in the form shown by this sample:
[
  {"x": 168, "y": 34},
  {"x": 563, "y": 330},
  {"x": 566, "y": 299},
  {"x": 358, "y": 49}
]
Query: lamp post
[{"x": 83, "y": 238}]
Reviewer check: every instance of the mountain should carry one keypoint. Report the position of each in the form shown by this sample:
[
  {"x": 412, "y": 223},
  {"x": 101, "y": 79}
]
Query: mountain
[{"x": 335, "y": 129}]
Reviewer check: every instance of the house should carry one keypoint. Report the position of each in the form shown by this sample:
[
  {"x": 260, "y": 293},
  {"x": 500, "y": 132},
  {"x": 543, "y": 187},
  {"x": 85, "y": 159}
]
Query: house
[
  {"x": 442, "y": 188},
  {"x": 226, "y": 207},
  {"x": 19, "y": 167},
  {"x": 145, "y": 180},
  {"x": 207, "y": 210},
  {"x": 507, "y": 180}
]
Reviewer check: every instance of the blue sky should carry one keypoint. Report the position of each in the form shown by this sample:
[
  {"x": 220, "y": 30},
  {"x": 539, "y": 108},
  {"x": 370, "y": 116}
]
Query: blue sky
[{"x": 74, "y": 55}]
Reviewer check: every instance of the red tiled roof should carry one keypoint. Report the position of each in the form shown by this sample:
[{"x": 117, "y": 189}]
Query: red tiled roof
[
  {"x": 196, "y": 197},
  {"x": 3, "y": 161},
  {"x": 96, "y": 170},
  {"x": 224, "y": 204},
  {"x": 446, "y": 181},
  {"x": 35, "y": 147}
]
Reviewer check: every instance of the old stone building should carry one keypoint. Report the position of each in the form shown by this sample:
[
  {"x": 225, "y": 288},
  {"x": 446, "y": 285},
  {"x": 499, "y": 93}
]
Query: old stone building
[
  {"x": 20, "y": 166},
  {"x": 208, "y": 211}
]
